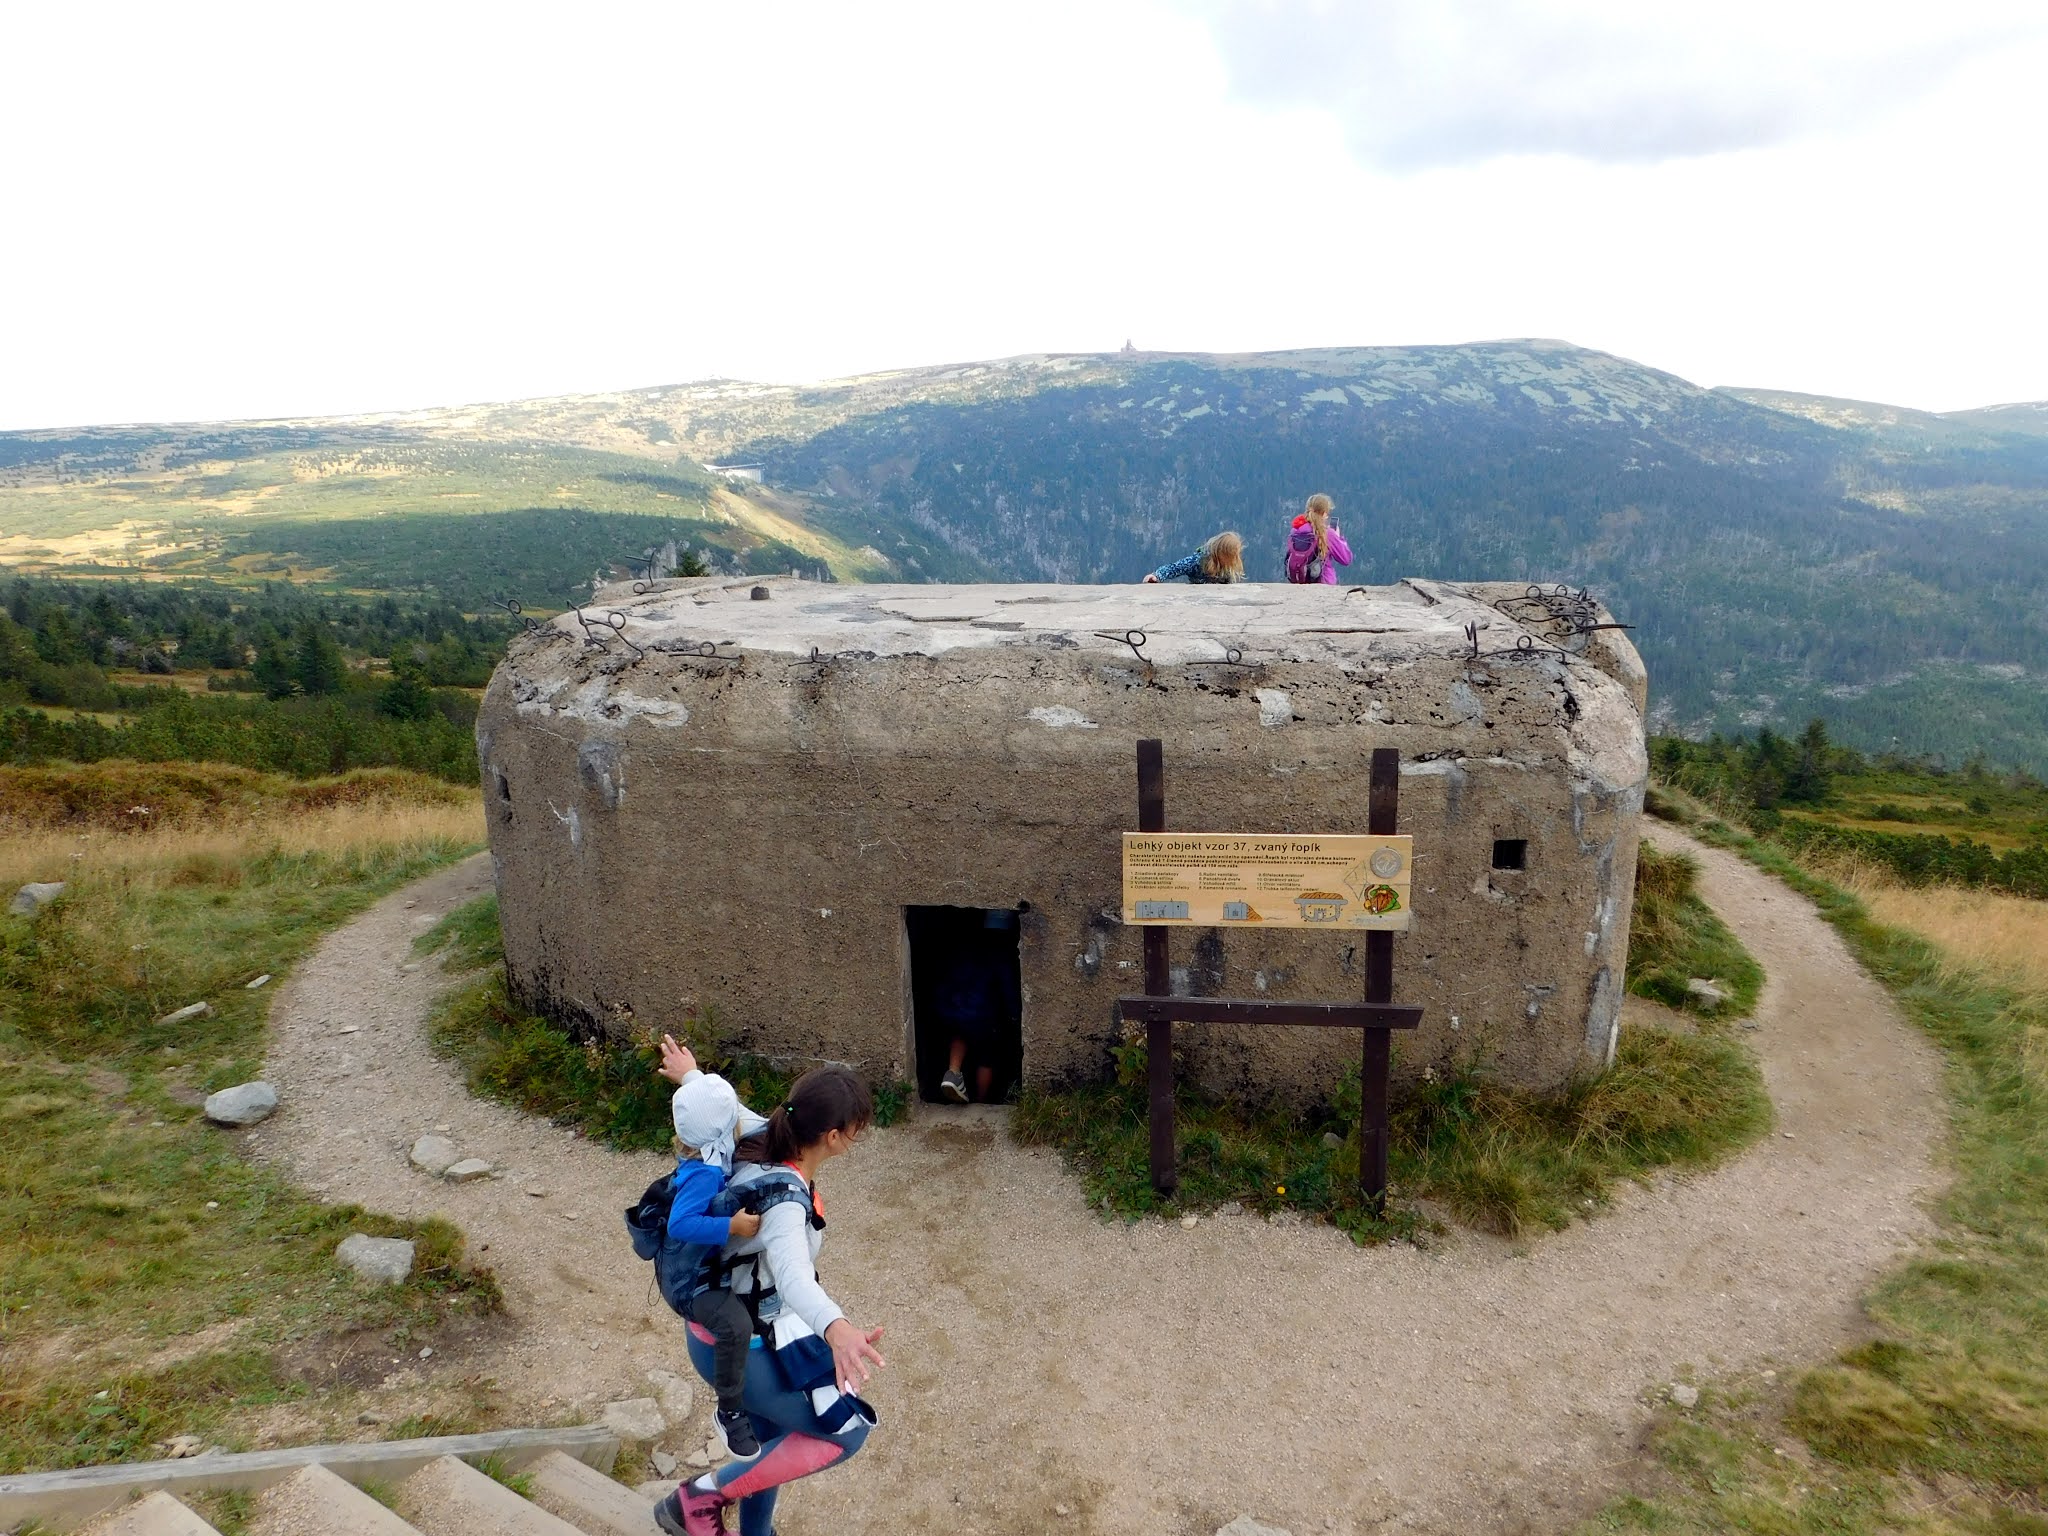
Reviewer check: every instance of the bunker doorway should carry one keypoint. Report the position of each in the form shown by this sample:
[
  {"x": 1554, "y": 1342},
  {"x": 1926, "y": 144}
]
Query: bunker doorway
[{"x": 966, "y": 993}]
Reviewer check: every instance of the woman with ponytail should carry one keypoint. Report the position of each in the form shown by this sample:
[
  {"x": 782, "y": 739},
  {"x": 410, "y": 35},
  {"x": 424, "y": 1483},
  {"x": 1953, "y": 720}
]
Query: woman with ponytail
[
  {"x": 802, "y": 1428},
  {"x": 1314, "y": 546}
]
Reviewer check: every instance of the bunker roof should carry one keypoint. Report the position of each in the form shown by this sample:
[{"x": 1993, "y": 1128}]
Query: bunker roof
[{"x": 1257, "y": 623}]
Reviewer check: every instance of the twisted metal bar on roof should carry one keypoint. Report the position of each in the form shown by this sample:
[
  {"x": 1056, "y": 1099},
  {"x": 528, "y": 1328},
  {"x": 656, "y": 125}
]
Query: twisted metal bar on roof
[
  {"x": 699, "y": 650},
  {"x": 511, "y": 606},
  {"x": 615, "y": 622},
  {"x": 1569, "y": 616}
]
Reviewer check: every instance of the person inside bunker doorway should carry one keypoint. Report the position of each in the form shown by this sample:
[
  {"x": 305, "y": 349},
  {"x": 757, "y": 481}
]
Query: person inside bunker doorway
[
  {"x": 808, "y": 1359},
  {"x": 1221, "y": 559},
  {"x": 975, "y": 1000}
]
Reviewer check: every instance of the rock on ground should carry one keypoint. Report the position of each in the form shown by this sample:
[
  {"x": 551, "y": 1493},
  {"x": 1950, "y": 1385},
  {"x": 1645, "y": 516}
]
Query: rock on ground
[
  {"x": 243, "y": 1104},
  {"x": 388, "y": 1259},
  {"x": 1245, "y": 1525},
  {"x": 676, "y": 1394},
  {"x": 34, "y": 896},
  {"x": 469, "y": 1168},
  {"x": 189, "y": 1011},
  {"x": 434, "y": 1154},
  {"x": 635, "y": 1418},
  {"x": 1706, "y": 992}
]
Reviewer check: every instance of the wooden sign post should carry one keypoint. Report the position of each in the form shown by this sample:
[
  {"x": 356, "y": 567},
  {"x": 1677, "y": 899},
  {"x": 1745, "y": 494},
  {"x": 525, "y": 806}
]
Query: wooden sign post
[{"x": 1374, "y": 1018}]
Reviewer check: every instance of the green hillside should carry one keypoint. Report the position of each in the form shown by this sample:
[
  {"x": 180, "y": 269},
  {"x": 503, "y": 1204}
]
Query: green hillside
[
  {"x": 1780, "y": 555},
  {"x": 1886, "y": 574},
  {"x": 371, "y": 509}
]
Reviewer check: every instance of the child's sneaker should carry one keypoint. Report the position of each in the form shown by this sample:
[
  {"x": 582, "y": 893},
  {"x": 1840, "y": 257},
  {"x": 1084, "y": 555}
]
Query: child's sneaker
[
  {"x": 736, "y": 1434},
  {"x": 954, "y": 1086}
]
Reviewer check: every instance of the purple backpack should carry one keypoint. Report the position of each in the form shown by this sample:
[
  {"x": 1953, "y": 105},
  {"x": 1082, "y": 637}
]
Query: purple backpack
[{"x": 1302, "y": 565}]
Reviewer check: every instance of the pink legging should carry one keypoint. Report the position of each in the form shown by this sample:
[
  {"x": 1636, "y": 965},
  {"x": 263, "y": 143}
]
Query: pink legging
[{"x": 793, "y": 1444}]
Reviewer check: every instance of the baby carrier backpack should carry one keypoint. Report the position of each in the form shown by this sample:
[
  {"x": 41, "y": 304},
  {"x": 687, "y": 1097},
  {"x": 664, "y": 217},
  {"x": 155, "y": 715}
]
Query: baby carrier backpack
[{"x": 683, "y": 1270}]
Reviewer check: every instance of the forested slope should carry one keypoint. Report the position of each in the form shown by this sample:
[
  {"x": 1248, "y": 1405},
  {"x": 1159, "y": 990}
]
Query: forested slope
[{"x": 1780, "y": 555}]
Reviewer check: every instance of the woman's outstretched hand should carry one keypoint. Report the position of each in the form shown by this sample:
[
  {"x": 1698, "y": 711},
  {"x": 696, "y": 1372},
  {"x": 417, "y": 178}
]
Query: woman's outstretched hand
[
  {"x": 1151, "y": 576},
  {"x": 677, "y": 1061},
  {"x": 852, "y": 1349}
]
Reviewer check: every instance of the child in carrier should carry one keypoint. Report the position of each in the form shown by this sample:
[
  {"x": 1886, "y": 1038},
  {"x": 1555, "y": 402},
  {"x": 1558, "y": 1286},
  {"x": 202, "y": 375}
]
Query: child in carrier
[{"x": 707, "y": 1116}]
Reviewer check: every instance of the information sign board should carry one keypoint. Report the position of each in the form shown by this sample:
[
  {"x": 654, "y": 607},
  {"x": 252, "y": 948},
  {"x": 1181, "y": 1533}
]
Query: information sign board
[{"x": 1253, "y": 880}]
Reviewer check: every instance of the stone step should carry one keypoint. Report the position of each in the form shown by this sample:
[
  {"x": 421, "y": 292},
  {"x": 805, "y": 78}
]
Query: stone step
[
  {"x": 63, "y": 1501},
  {"x": 154, "y": 1514},
  {"x": 451, "y": 1498},
  {"x": 587, "y": 1499},
  {"x": 314, "y": 1502}
]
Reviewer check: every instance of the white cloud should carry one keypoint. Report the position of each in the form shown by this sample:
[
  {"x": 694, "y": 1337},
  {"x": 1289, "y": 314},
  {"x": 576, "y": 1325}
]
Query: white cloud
[
  {"x": 316, "y": 209},
  {"x": 1420, "y": 83}
]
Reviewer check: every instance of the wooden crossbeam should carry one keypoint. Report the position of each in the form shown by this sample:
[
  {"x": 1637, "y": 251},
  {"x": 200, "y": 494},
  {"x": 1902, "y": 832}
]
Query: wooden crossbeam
[
  {"x": 1236, "y": 1010},
  {"x": 1374, "y": 1019}
]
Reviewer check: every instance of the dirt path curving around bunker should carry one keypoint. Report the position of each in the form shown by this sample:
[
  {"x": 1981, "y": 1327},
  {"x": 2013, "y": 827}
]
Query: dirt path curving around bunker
[{"x": 1050, "y": 1369}]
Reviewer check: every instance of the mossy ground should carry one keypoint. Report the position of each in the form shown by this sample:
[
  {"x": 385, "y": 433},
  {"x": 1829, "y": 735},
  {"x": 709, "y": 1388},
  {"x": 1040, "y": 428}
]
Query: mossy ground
[{"x": 1674, "y": 937}]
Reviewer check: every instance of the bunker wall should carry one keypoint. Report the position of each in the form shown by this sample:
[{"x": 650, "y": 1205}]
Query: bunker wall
[{"x": 675, "y": 834}]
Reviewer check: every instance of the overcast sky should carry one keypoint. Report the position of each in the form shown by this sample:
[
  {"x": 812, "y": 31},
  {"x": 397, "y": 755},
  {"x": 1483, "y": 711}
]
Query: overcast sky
[{"x": 312, "y": 208}]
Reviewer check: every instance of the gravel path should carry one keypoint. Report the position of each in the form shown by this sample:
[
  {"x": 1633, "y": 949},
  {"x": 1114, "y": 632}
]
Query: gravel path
[{"x": 1053, "y": 1370}]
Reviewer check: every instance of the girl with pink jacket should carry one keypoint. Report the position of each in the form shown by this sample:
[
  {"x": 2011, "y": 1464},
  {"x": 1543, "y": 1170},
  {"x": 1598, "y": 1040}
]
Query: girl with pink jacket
[{"x": 1314, "y": 547}]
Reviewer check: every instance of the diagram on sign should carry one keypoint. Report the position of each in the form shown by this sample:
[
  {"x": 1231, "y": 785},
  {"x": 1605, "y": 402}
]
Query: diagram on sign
[{"x": 1221, "y": 879}]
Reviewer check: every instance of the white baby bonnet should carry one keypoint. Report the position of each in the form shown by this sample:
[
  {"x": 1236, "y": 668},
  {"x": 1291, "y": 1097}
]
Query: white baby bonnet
[{"x": 707, "y": 1116}]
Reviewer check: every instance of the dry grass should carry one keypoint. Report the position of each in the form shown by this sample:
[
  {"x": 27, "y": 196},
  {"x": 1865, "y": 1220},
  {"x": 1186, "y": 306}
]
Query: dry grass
[
  {"x": 339, "y": 830},
  {"x": 118, "y": 795},
  {"x": 335, "y": 830},
  {"x": 2003, "y": 937}
]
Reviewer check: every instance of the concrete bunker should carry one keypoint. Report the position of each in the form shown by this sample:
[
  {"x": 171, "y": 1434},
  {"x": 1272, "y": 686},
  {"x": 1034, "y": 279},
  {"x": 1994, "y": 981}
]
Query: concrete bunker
[{"x": 793, "y": 809}]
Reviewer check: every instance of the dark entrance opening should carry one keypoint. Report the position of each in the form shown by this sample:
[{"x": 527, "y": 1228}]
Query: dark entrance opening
[{"x": 965, "y": 988}]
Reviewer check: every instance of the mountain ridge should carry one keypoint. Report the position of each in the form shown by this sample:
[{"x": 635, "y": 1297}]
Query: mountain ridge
[
  {"x": 1781, "y": 554},
  {"x": 2027, "y": 416}
]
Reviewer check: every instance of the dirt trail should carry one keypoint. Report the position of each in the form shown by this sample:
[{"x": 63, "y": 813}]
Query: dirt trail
[{"x": 1153, "y": 1378}]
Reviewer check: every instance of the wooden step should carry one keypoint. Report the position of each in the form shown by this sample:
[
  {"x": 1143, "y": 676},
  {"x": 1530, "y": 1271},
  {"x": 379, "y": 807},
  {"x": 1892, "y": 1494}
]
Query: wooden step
[
  {"x": 587, "y": 1499},
  {"x": 314, "y": 1502},
  {"x": 451, "y": 1498},
  {"x": 154, "y": 1514}
]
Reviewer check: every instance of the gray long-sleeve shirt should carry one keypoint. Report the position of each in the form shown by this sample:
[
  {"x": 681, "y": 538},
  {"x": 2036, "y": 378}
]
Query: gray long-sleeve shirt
[{"x": 786, "y": 1252}]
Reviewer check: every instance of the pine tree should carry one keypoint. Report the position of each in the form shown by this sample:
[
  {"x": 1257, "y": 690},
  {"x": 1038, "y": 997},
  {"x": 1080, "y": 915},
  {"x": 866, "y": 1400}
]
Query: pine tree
[
  {"x": 1807, "y": 782},
  {"x": 317, "y": 665},
  {"x": 273, "y": 666}
]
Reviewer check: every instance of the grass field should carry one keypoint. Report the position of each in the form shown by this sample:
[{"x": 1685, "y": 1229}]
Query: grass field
[
  {"x": 1938, "y": 1421},
  {"x": 155, "y": 1279},
  {"x": 468, "y": 521},
  {"x": 1675, "y": 937}
]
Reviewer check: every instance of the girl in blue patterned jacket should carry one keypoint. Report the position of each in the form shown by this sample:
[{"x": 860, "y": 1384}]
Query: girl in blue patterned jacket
[{"x": 1221, "y": 559}]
